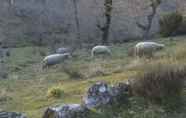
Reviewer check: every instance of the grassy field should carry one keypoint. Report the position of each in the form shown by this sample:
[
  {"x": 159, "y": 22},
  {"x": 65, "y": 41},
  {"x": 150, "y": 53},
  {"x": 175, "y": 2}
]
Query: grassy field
[{"x": 27, "y": 86}]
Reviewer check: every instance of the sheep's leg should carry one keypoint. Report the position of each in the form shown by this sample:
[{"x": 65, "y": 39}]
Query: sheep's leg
[
  {"x": 108, "y": 54},
  {"x": 140, "y": 53},
  {"x": 151, "y": 53},
  {"x": 45, "y": 66},
  {"x": 136, "y": 53},
  {"x": 92, "y": 54}
]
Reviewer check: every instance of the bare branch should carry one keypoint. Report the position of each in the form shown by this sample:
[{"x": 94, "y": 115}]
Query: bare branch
[
  {"x": 141, "y": 26},
  {"x": 146, "y": 28}
]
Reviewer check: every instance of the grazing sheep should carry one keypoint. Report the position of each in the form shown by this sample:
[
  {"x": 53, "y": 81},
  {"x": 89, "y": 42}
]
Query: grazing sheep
[
  {"x": 100, "y": 49},
  {"x": 147, "y": 48},
  {"x": 4, "y": 52},
  {"x": 55, "y": 59},
  {"x": 7, "y": 52},
  {"x": 63, "y": 50}
]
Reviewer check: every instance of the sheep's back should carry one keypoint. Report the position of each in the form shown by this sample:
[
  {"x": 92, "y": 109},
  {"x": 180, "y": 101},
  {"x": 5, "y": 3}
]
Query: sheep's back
[
  {"x": 53, "y": 59},
  {"x": 101, "y": 49},
  {"x": 62, "y": 50}
]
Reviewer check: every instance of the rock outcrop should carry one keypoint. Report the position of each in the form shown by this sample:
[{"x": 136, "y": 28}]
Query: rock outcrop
[
  {"x": 101, "y": 94},
  {"x": 66, "y": 111},
  {"x": 98, "y": 95}
]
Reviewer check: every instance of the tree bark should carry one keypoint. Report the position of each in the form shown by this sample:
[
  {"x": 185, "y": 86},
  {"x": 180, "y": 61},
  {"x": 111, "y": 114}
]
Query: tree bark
[
  {"x": 106, "y": 27},
  {"x": 108, "y": 16},
  {"x": 78, "y": 35},
  {"x": 11, "y": 2}
]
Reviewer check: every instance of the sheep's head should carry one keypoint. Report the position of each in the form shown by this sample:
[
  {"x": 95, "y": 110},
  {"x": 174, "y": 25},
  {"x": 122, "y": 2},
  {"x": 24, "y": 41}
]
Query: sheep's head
[
  {"x": 160, "y": 46},
  {"x": 67, "y": 55}
]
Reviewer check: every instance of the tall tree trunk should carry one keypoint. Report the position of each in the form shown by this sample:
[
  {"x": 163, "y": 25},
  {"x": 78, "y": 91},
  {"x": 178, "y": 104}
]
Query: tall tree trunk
[
  {"x": 105, "y": 28},
  {"x": 78, "y": 35},
  {"x": 11, "y": 2},
  {"x": 108, "y": 16}
]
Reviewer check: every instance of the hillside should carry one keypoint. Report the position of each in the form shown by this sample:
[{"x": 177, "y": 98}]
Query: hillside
[{"x": 27, "y": 86}]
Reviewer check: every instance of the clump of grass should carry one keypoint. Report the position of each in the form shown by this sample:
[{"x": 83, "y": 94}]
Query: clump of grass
[
  {"x": 96, "y": 69},
  {"x": 55, "y": 92},
  {"x": 158, "y": 82},
  {"x": 175, "y": 54},
  {"x": 4, "y": 97},
  {"x": 73, "y": 72},
  {"x": 180, "y": 53}
]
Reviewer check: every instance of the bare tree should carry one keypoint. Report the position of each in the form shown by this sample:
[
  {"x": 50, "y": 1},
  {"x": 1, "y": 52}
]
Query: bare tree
[
  {"x": 108, "y": 16},
  {"x": 146, "y": 28}
]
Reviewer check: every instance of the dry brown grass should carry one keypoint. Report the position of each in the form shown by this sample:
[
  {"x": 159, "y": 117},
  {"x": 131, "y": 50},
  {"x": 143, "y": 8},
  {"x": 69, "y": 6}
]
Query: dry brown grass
[{"x": 159, "y": 81}]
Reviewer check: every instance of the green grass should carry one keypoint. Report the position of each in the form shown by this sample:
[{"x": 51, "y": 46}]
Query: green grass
[{"x": 27, "y": 86}]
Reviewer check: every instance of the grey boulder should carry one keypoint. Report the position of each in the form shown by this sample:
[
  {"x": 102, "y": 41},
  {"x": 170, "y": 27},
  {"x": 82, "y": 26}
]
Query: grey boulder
[
  {"x": 66, "y": 111},
  {"x": 4, "y": 114},
  {"x": 101, "y": 94}
]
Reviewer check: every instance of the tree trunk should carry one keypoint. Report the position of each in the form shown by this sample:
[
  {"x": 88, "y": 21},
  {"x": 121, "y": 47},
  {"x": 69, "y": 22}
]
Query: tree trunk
[
  {"x": 11, "y": 2},
  {"x": 108, "y": 16},
  {"x": 146, "y": 28},
  {"x": 78, "y": 35}
]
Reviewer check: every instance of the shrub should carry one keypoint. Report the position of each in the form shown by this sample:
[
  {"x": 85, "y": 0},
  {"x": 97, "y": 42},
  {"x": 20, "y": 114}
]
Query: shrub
[
  {"x": 169, "y": 23},
  {"x": 177, "y": 54},
  {"x": 181, "y": 30},
  {"x": 96, "y": 69},
  {"x": 55, "y": 92},
  {"x": 160, "y": 82}
]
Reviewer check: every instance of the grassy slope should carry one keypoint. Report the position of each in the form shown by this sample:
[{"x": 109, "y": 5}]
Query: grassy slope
[{"x": 26, "y": 89}]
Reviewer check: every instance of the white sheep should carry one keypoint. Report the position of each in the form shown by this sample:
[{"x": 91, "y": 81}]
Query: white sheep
[
  {"x": 147, "y": 48},
  {"x": 63, "y": 50},
  {"x": 55, "y": 59},
  {"x": 100, "y": 49},
  {"x": 4, "y": 52}
]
